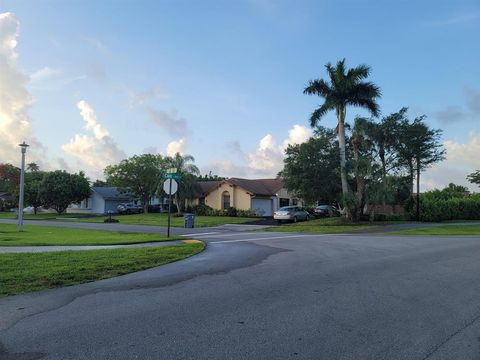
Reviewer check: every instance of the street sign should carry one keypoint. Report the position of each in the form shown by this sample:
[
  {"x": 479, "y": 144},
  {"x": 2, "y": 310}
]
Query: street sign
[
  {"x": 170, "y": 189},
  {"x": 172, "y": 176}
]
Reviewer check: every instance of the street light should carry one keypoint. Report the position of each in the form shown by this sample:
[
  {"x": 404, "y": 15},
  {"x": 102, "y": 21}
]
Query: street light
[{"x": 22, "y": 185}]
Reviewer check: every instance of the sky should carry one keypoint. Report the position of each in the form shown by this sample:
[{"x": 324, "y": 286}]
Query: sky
[{"x": 89, "y": 83}]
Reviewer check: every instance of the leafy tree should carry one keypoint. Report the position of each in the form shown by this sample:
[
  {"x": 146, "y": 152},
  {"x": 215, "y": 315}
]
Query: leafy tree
[
  {"x": 474, "y": 177},
  {"x": 140, "y": 174},
  {"x": 311, "y": 169},
  {"x": 9, "y": 178},
  {"x": 188, "y": 172},
  {"x": 33, "y": 179},
  {"x": 419, "y": 148},
  {"x": 58, "y": 189},
  {"x": 344, "y": 88},
  {"x": 99, "y": 183}
]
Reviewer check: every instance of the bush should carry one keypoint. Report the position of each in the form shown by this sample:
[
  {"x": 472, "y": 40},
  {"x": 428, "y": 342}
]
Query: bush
[
  {"x": 201, "y": 210},
  {"x": 154, "y": 208},
  {"x": 231, "y": 211},
  {"x": 245, "y": 213},
  {"x": 435, "y": 206}
]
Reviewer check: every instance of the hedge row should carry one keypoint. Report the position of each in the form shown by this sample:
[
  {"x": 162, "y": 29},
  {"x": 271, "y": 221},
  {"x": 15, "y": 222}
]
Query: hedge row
[{"x": 439, "y": 209}]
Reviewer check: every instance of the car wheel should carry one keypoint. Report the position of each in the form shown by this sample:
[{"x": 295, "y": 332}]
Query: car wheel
[
  {"x": 295, "y": 219},
  {"x": 307, "y": 218}
]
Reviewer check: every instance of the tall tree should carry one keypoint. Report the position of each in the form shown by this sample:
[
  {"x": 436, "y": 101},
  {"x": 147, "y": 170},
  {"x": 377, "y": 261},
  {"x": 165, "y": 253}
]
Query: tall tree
[
  {"x": 186, "y": 169},
  {"x": 419, "y": 148},
  {"x": 9, "y": 178},
  {"x": 140, "y": 174},
  {"x": 58, "y": 189},
  {"x": 32, "y": 167},
  {"x": 345, "y": 87},
  {"x": 311, "y": 169}
]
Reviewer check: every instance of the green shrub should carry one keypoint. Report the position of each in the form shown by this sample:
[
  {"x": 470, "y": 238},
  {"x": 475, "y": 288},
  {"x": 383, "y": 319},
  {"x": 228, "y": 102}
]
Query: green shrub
[
  {"x": 231, "y": 211},
  {"x": 245, "y": 213},
  {"x": 436, "y": 206},
  {"x": 201, "y": 210}
]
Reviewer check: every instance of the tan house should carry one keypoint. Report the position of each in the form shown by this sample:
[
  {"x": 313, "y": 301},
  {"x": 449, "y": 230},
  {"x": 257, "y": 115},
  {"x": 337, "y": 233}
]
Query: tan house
[{"x": 263, "y": 196}]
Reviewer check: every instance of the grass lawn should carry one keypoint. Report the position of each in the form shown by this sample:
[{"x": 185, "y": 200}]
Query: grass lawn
[
  {"x": 441, "y": 230},
  {"x": 137, "y": 219},
  {"x": 327, "y": 225},
  {"x": 45, "y": 235},
  {"x": 20, "y": 273}
]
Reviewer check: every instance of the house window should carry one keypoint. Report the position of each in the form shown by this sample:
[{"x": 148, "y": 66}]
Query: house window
[
  {"x": 226, "y": 200},
  {"x": 201, "y": 201},
  {"x": 294, "y": 202},
  {"x": 284, "y": 202}
]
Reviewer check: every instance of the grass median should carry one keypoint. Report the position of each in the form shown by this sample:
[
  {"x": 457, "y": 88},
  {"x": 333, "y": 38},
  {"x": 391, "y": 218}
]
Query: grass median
[
  {"x": 453, "y": 230},
  {"x": 21, "y": 273},
  {"x": 155, "y": 219},
  {"x": 49, "y": 235},
  {"x": 326, "y": 226}
]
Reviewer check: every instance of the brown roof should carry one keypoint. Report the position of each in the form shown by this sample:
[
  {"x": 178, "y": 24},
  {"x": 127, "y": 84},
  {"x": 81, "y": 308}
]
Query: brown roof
[{"x": 258, "y": 187}]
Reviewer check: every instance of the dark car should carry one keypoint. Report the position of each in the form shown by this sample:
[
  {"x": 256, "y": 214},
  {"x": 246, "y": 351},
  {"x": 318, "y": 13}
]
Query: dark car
[
  {"x": 129, "y": 209},
  {"x": 325, "y": 211}
]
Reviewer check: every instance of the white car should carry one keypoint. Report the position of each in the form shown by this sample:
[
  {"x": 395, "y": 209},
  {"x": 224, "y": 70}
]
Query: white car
[{"x": 291, "y": 213}]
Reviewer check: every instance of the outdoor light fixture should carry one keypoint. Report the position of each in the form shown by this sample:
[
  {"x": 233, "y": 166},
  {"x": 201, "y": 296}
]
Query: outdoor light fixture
[{"x": 22, "y": 185}]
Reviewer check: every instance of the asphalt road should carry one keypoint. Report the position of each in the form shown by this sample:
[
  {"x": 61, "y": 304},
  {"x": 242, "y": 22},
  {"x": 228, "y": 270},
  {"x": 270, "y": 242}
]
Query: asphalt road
[{"x": 254, "y": 295}]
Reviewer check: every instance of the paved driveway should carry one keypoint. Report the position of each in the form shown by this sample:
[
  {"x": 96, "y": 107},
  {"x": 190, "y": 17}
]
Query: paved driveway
[{"x": 267, "y": 296}]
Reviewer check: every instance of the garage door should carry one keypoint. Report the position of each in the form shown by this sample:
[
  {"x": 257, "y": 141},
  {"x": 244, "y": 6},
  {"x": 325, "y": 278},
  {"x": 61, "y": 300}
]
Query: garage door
[{"x": 263, "y": 207}]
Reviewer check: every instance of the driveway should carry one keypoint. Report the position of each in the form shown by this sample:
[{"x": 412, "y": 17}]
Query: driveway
[{"x": 254, "y": 295}]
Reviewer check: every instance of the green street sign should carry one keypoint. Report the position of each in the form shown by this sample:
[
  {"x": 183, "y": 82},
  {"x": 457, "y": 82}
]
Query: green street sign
[{"x": 174, "y": 176}]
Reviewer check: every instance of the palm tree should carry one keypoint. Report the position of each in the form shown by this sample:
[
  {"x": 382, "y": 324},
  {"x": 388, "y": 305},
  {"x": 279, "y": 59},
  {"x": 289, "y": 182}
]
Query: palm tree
[
  {"x": 185, "y": 168},
  {"x": 344, "y": 88},
  {"x": 32, "y": 167}
]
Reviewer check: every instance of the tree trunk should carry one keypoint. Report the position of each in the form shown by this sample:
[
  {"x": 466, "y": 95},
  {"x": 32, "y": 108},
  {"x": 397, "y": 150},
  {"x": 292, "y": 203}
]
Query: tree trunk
[
  {"x": 177, "y": 202},
  {"x": 418, "y": 190},
  {"x": 343, "y": 161},
  {"x": 145, "y": 204}
]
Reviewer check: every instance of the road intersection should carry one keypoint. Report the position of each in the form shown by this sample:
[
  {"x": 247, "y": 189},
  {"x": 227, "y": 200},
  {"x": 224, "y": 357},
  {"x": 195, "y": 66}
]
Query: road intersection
[{"x": 266, "y": 295}]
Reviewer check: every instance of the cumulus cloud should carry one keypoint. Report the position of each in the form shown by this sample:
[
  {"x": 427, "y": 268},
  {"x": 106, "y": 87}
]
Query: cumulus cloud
[
  {"x": 97, "y": 151},
  {"x": 267, "y": 159},
  {"x": 176, "y": 146},
  {"x": 462, "y": 159},
  {"x": 168, "y": 121},
  {"x": 15, "y": 100}
]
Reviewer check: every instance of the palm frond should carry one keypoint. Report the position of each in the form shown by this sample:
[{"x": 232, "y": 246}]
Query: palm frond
[
  {"x": 358, "y": 73},
  {"x": 318, "y": 87},
  {"x": 319, "y": 113}
]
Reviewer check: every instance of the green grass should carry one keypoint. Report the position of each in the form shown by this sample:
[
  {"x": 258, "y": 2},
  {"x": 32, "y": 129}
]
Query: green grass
[
  {"x": 441, "y": 230},
  {"x": 137, "y": 219},
  {"x": 46, "y": 235},
  {"x": 327, "y": 226},
  {"x": 20, "y": 273}
]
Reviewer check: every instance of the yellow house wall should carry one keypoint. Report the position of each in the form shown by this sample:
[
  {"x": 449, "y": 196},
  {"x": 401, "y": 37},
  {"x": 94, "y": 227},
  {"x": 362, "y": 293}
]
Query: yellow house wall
[{"x": 239, "y": 198}]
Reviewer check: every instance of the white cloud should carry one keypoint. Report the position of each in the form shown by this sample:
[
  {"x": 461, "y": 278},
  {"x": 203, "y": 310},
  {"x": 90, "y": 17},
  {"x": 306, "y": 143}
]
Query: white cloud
[
  {"x": 176, "y": 146},
  {"x": 97, "y": 151},
  {"x": 43, "y": 74},
  {"x": 267, "y": 160},
  {"x": 15, "y": 100},
  {"x": 462, "y": 159}
]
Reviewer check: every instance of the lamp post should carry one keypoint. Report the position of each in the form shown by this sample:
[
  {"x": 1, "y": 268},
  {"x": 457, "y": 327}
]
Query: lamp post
[{"x": 22, "y": 185}]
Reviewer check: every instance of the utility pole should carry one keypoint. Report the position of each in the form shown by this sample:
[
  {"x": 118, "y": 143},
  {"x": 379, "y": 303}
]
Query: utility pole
[{"x": 22, "y": 186}]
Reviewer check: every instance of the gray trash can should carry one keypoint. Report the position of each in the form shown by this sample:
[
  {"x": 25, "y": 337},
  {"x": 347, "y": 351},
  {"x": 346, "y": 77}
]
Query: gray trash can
[{"x": 189, "y": 220}]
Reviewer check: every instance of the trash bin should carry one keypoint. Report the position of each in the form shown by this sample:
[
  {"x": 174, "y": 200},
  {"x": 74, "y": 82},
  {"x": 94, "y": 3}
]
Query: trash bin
[{"x": 189, "y": 220}]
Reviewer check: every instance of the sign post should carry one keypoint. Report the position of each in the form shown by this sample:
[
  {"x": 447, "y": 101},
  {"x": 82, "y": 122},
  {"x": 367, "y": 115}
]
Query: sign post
[{"x": 170, "y": 187}]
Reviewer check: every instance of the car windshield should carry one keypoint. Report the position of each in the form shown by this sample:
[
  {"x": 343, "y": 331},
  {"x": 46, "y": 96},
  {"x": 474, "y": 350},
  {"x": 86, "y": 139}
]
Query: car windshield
[
  {"x": 323, "y": 207},
  {"x": 286, "y": 208}
]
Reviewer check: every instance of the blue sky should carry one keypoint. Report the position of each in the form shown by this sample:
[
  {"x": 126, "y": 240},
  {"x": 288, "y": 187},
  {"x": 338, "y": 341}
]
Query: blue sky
[{"x": 223, "y": 80}]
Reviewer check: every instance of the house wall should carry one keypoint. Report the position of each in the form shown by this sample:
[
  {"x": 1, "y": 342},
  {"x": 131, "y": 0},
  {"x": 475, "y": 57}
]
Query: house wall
[
  {"x": 98, "y": 204},
  {"x": 239, "y": 198},
  {"x": 283, "y": 194}
]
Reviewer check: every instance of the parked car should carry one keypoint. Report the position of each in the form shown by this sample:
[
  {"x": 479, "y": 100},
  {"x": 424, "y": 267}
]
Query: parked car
[
  {"x": 129, "y": 209},
  {"x": 291, "y": 213},
  {"x": 325, "y": 211}
]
